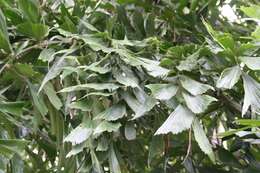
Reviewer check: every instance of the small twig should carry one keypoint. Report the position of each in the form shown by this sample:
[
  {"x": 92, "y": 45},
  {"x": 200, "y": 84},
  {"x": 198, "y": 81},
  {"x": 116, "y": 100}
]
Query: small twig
[
  {"x": 166, "y": 145},
  {"x": 189, "y": 147},
  {"x": 234, "y": 105},
  {"x": 28, "y": 49}
]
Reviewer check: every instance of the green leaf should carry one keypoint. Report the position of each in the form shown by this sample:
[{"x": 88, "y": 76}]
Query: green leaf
[
  {"x": 97, "y": 168},
  {"x": 54, "y": 71},
  {"x": 138, "y": 24},
  {"x": 256, "y": 33},
  {"x": 122, "y": 17},
  {"x": 248, "y": 122},
  {"x": 8, "y": 147},
  {"x": 210, "y": 30},
  {"x": 14, "y": 15},
  {"x": 99, "y": 94},
  {"x": 251, "y": 62},
  {"x": 252, "y": 11},
  {"x": 38, "y": 100},
  {"x": 190, "y": 63},
  {"x": 150, "y": 25},
  {"x": 17, "y": 164},
  {"x": 126, "y": 77},
  {"x": 228, "y": 158},
  {"x": 163, "y": 91},
  {"x": 78, "y": 135},
  {"x": 6, "y": 152},
  {"x": 127, "y": 42},
  {"x": 30, "y": 9},
  {"x": 130, "y": 131},
  {"x": 4, "y": 37},
  {"x": 252, "y": 94},
  {"x": 67, "y": 71},
  {"x": 194, "y": 4},
  {"x": 15, "y": 108},
  {"x": 199, "y": 103},
  {"x": 34, "y": 30},
  {"x": 106, "y": 126},
  {"x": 202, "y": 139},
  {"x": 68, "y": 25},
  {"x": 153, "y": 68},
  {"x": 102, "y": 144},
  {"x": 76, "y": 149},
  {"x": 2, "y": 91},
  {"x": 51, "y": 93},
  {"x": 84, "y": 105},
  {"x": 98, "y": 69},
  {"x": 113, "y": 113},
  {"x": 113, "y": 161},
  {"x": 95, "y": 86},
  {"x": 140, "y": 103},
  {"x": 194, "y": 87},
  {"x": 179, "y": 120},
  {"x": 128, "y": 57},
  {"x": 47, "y": 55},
  {"x": 87, "y": 25},
  {"x": 95, "y": 43},
  {"x": 224, "y": 40},
  {"x": 156, "y": 148},
  {"x": 229, "y": 77},
  {"x": 6, "y": 3},
  {"x": 25, "y": 70},
  {"x": 231, "y": 132}
]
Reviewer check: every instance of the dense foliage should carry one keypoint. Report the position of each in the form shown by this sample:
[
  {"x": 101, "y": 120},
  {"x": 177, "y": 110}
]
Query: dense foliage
[{"x": 129, "y": 86}]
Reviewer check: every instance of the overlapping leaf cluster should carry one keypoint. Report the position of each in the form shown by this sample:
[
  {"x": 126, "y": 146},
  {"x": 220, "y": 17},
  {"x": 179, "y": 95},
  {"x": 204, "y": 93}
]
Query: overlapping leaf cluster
[{"x": 128, "y": 86}]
